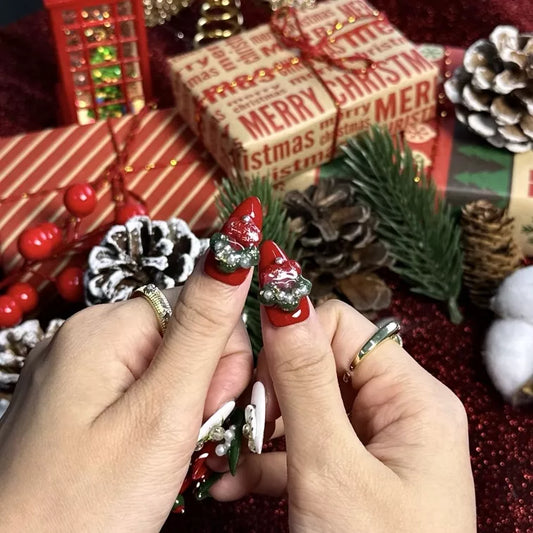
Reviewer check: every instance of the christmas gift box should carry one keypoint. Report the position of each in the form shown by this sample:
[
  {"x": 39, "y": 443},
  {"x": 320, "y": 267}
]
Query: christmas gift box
[
  {"x": 466, "y": 168},
  {"x": 281, "y": 98},
  {"x": 463, "y": 165},
  {"x": 151, "y": 159}
]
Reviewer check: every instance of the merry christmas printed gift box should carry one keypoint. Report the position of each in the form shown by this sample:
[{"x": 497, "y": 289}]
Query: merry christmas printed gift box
[
  {"x": 281, "y": 98},
  {"x": 147, "y": 163},
  {"x": 462, "y": 164}
]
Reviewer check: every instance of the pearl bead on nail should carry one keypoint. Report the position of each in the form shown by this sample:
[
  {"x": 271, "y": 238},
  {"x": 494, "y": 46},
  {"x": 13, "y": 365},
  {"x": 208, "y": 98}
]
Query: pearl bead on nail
[{"x": 221, "y": 449}]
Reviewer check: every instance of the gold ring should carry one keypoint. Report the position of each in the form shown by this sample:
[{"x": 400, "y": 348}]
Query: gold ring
[
  {"x": 159, "y": 303},
  {"x": 387, "y": 332}
]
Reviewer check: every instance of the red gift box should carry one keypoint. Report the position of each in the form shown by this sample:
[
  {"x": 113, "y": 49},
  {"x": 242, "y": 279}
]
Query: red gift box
[{"x": 155, "y": 155}]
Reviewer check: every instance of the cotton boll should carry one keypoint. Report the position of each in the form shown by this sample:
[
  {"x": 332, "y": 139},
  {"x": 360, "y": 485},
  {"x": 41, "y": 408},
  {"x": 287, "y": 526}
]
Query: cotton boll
[
  {"x": 509, "y": 357},
  {"x": 514, "y": 298}
]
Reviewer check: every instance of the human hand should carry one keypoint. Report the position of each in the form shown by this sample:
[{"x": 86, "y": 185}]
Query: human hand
[
  {"x": 399, "y": 462},
  {"x": 106, "y": 416}
]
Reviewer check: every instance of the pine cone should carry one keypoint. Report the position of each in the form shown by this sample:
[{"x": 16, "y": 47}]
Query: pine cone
[
  {"x": 493, "y": 90},
  {"x": 336, "y": 240},
  {"x": 141, "y": 251},
  {"x": 490, "y": 250},
  {"x": 15, "y": 344}
]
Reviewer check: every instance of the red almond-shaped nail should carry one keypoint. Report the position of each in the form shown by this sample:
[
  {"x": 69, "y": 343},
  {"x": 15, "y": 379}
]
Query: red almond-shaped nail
[
  {"x": 276, "y": 267},
  {"x": 243, "y": 227}
]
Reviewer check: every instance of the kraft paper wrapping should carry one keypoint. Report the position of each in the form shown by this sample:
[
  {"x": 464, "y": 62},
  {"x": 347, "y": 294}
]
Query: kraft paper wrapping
[{"x": 261, "y": 111}]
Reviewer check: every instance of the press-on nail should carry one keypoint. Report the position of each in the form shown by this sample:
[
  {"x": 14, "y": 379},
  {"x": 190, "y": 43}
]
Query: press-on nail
[
  {"x": 283, "y": 288},
  {"x": 234, "y": 250},
  {"x": 254, "y": 416},
  {"x": 216, "y": 419}
]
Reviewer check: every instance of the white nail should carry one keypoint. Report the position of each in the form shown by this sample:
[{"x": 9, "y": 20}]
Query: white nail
[
  {"x": 255, "y": 417},
  {"x": 216, "y": 419}
]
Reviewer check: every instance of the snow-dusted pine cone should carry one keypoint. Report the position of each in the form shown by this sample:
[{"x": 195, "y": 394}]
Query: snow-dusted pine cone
[
  {"x": 493, "y": 89},
  {"x": 15, "y": 344},
  {"x": 141, "y": 251}
]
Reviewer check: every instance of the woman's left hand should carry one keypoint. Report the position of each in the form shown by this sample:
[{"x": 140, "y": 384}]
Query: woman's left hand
[{"x": 105, "y": 417}]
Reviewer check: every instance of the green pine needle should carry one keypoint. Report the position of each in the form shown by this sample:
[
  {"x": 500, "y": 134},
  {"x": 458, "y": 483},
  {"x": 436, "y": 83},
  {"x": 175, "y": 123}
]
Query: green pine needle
[
  {"x": 275, "y": 227},
  {"x": 414, "y": 221}
]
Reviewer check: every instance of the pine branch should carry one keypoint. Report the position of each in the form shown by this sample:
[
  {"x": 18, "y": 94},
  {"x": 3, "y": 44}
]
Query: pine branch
[
  {"x": 417, "y": 224},
  {"x": 275, "y": 227}
]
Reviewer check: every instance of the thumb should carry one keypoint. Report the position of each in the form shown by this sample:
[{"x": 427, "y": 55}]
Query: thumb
[
  {"x": 299, "y": 356},
  {"x": 206, "y": 313}
]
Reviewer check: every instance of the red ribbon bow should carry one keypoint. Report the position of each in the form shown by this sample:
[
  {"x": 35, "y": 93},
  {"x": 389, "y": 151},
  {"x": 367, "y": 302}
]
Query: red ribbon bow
[{"x": 286, "y": 25}]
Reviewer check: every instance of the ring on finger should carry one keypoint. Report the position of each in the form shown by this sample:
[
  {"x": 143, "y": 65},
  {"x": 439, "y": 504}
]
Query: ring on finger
[
  {"x": 159, "y": 303},
  {"x": 388, "y": 331}
]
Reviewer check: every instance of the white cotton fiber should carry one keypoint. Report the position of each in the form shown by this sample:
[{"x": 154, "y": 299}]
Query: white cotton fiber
[
  {"x": 509, "y": 355},
  {"x": 514, "y": 298}
]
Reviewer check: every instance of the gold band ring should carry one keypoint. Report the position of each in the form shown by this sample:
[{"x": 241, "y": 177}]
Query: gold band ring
[
  {"x": 387, "y": 332},
  {"x": 159, "y": 303}
]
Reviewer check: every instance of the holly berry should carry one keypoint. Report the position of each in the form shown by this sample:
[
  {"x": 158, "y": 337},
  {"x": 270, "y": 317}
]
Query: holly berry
[
  {"x": 126, "y": 211},
  {"x": 25, "y": 295},
  {"x": 53, "y": 233},
  {"x": 34, "y": 244},
  {"x": 70, "y": 284},
  {"x": 10, "y": 312},
  {"x": 80, "y": 199}
]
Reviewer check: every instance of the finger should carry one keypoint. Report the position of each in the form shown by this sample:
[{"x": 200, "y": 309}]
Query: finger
[
  {"x": 300, "y": 361},
  {"x": 259, "y": 474},
  {"x": 207, "y": 312},
  {"x": 231, "y": 375},
  {"x": 233, "y": 371},
  {"x": 388, "y": 381},
  {"x": 348, "y": 331}
]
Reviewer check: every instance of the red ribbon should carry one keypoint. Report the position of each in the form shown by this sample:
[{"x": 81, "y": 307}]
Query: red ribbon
[
  {"x": 287, "y": 27},
  {"x": 115, "y": 171}
]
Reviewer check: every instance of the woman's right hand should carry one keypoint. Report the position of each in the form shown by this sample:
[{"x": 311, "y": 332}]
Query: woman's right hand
[{"x": 399, "y": 462}]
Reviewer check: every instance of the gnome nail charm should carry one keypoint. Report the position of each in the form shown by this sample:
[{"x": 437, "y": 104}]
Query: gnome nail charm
[
  {"x": 234, "y": 250},
  {"x": 283, "y": 288}
]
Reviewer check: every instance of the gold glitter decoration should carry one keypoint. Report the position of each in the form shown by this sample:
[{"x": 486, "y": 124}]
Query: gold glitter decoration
[
  {"x": 219, "y": 19},
  {"x": 157, "y": 12},
  {"x": 300, "y": 4}
]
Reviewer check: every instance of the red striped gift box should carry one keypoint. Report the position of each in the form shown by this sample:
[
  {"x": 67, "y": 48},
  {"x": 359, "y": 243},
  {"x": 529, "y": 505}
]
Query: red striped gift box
[{"x": 166, "y": 166}]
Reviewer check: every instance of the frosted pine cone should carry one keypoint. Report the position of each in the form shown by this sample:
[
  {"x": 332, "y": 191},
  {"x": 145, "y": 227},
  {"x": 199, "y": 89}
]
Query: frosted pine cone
[
  {"x": 493, "y": 89},
  {"x": 141, "y": 251},
  {"x": 15, "y": 344}
]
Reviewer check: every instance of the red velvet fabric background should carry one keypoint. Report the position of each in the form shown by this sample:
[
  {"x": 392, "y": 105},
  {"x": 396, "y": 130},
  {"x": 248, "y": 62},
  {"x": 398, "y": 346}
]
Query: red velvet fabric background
[{"x": 501, "y": 437}]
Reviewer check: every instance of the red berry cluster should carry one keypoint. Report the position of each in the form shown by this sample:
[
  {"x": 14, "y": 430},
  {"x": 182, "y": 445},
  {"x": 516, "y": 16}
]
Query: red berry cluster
[
  {"x": 46, "y": 240},
  {"x": 20, "y": 298},
  {"x": 39, "y": 242}
]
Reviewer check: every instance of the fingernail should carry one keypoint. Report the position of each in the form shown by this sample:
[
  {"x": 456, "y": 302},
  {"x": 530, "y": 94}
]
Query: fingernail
[
  {"x": 283, "y": 289},
  {"x": 234, "y": 250},
  {"x": 202, "y": 490},
  {"x": 216, "y": 419},
  {"x": 254, "y": 416}
]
